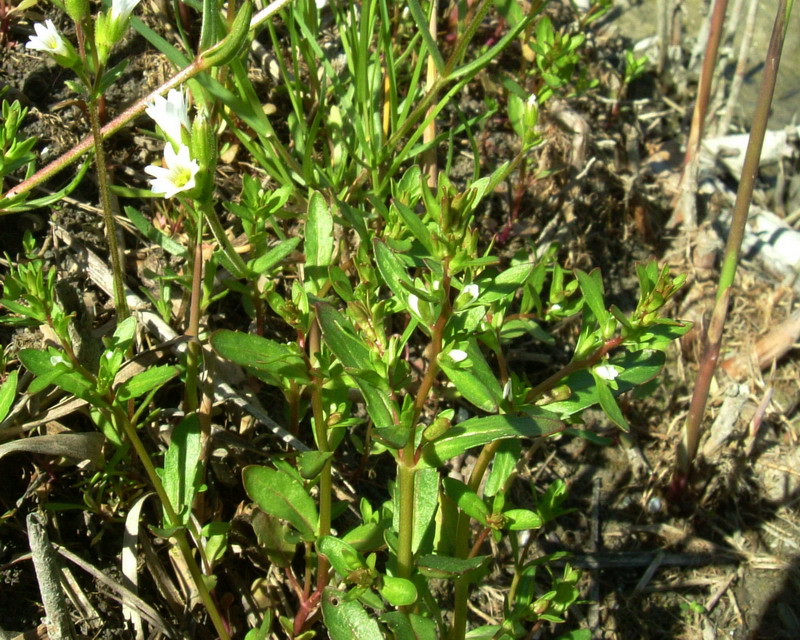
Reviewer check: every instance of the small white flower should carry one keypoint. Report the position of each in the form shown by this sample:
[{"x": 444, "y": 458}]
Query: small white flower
[
  {"x": 533, "y": 101},
  {"x": 321, "y": 4},
  {"x": 171, "y": 114},
  {"x": 606, "y": 372},
  {"x": 472, "y": 290},
  {"x": 457, "y": 355},
  {"x": 47, "y": 39},
  {"x": 179, "y": 174},
  {"x": 507, "y": 390},
  {"x": 57, "y": 360},
  {"x": 436, "y": 285},
  {"x": 555, "y": 307},
  {"x": 122, "y": 9},
  {"x": 413, "y": 302}
]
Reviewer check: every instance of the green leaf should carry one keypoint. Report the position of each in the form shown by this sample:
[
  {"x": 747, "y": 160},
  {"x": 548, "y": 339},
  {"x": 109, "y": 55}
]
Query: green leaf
[
  {"x": 437, "y": 566},
  {"x": 466, "y": 499},
  {"x": 145, "y": 381},
  {"x": 474, "y": 379},
  {"x": 393, "y": 436},
  {"x": 416, "y": 226},
  {"x": 592, "y": 289},
  {"x": 263, "y": 264},
  {"x": 310, "y": 463},
  {"x": 407, "y": 626},
  {"x": 638, "y": 367},
  {"x": 182, "y": 468},
  {"x": 155, "y": 236},
  {"x": 423, "y": 29},
  {"x": 348, "y": 620},
  {"x": 273, "y": 538},
  {"x": 392, "y": 270},
  {"x": 319, "y": 241},
  {"x": 522, "y": 520},
  {"x": 353, "y": 353},
  {"x": 365, "y": 537},
  {"x": 39, "y": 363},
  {"x": 268, "y": 360},
  {"x": 279, "y": 494},
  {"x": 7, "y": 394},
  {"x": 503, "y": 465},
  {"x": 477, "y": 432},
  {"x": 343, "y": 557},
  {"x": 398, "y": 592},
  {"x": 495, "y": 287},
  {"x": 608, "y": 404}
]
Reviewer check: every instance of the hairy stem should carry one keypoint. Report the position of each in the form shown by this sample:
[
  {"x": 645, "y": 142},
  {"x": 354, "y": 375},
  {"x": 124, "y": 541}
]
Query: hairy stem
[{"x": 120, "y": 302}]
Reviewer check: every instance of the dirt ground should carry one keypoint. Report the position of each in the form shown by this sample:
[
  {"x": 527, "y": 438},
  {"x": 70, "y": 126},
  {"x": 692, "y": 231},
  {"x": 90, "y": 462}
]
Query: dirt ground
[{"x": 723, "y": 560}]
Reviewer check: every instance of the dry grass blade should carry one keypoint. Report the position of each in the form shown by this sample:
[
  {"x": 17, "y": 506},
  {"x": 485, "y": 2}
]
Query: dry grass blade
[
  {"x": 130, "y": 562},
  {"x": 122, "y": 593},
  {"x": 75, "y": 446}
]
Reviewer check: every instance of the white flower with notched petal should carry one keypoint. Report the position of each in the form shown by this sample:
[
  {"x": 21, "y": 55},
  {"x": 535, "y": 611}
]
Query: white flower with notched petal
[
  {"x": 457, "y": 355},
  {"x": 606, "y": 372},
  {"x": 413, "y": 302},
  {"x": 472, "y": 290},
  {"x": 178, "y": 175},
  {"x": 48, "y": 39},
  {"x": 121, "y": 9},
  {"x": 171, "y": 114}
]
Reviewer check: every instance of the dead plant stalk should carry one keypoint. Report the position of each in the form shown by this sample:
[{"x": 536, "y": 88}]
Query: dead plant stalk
[{"x": 691, "y": 433}]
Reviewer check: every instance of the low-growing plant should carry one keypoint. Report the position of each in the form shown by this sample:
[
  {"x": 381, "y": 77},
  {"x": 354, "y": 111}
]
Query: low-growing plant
[{"x": 398, "y": 312}]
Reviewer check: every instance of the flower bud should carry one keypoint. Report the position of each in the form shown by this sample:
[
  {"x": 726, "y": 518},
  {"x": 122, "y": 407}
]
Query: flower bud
[
  {"x": 204, "y": 150},
  {"x": 77, "y": 9}
]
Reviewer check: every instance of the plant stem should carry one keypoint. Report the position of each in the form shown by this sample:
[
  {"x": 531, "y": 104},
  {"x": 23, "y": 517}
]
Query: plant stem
[
  {"x": 406, "y": 462},
  {"x": 180, "y": 533},
  {"x": 120, "y": 302},
  {"x": 321, "y": 434},
  {"x": 193, "y": 330},
  {"x": 687, "y": 448},
  {"x": 685, "y": 208},
  {"x": 112, "y": 127}
]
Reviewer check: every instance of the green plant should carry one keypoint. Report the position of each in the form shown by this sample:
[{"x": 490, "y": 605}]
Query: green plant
[{"x": 376, "y": 315}]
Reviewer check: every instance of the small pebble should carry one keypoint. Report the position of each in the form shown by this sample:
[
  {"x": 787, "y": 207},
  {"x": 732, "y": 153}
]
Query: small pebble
[{"x": 655, "y": 504}]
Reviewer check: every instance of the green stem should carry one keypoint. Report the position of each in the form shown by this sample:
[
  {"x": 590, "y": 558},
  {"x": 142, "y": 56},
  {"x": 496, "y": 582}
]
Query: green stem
[
  {"x": 461, "y": 597},
  {"x": 406, "y": 473},
  {"x": 406, "y": 463},
  {"x": 321, "y": 434},
  {"x": 120, "y": 302},
  {"x": 193, "y": 330},
  {"x": 172, "y": 517}
]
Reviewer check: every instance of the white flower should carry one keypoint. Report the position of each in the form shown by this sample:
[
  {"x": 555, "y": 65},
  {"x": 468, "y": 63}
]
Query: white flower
[
  {"x": 413, "y": 302},
  {"x": 457, "y": 355},
  {"x": 436, "y": 285},
  {"x": 555, "y": 307},
  {"x": 57, "y": 360},
  {"x": 321, "y": 4},
  {"x": 171, "y": 114},
  {"x": 472, "y": 290},
  {"x": 507, "y": 390},
  {"x": 47, "y": 39},
  {"x": 533, "y": 101},
  {"x": 606, "y": 372},
  {"x": 179, "y": 174},
  {"x": 122, "y": 9}
]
